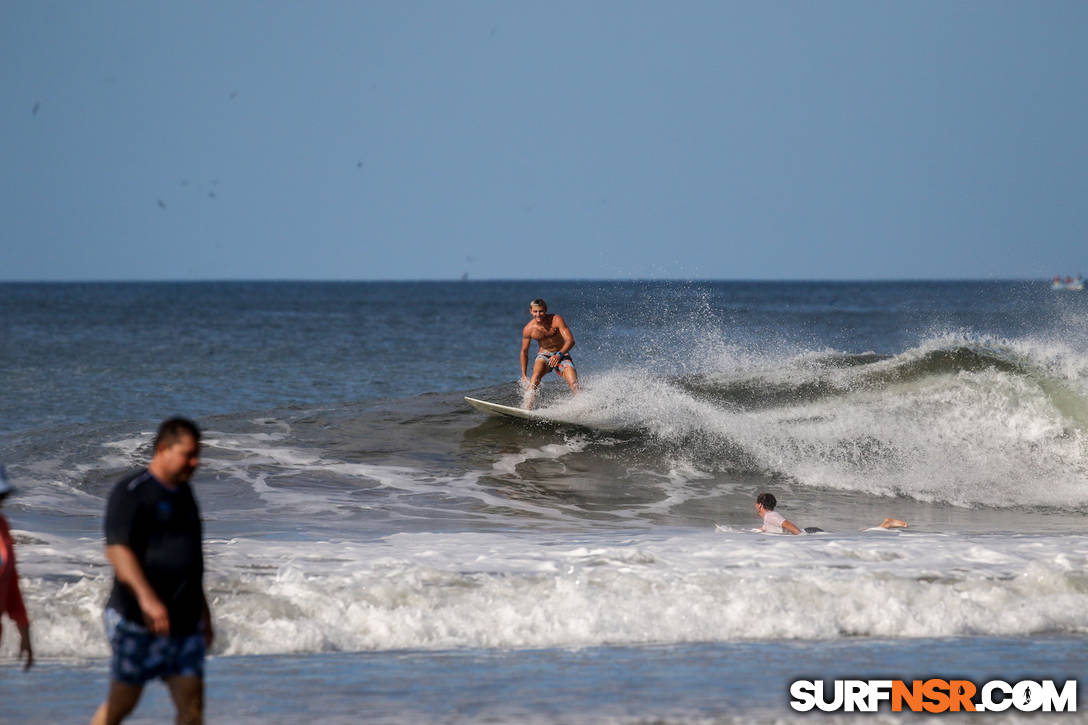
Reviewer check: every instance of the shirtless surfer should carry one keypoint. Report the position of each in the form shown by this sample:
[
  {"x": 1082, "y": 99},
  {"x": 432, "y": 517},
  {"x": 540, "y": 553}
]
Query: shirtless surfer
[{"x": 555, "y": 340}]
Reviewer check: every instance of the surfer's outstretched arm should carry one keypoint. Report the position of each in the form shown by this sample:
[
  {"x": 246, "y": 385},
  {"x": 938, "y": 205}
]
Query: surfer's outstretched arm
[
  {"x": 528, "y": 387},
  {"x": 525, "y": 340},
  {"x": 788, "y": 525},
  {"x": 890, "y": 523}
]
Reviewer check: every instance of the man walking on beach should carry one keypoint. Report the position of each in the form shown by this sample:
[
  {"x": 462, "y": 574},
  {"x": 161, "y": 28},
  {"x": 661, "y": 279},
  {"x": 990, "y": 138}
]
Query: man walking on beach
[
  {"x": 157, "y": 617},
  {"x": 555, "y": 340}
]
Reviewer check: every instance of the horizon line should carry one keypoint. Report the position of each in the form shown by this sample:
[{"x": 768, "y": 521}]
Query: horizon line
[{"x": 419, "y": 280}]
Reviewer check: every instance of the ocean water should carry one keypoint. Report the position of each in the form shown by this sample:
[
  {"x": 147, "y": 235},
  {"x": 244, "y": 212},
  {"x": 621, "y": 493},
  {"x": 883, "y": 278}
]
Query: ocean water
[{"x": 377, "y": 550}]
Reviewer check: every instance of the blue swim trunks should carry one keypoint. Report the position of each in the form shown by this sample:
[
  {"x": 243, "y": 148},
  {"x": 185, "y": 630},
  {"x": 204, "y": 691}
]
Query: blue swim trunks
[
  {"x": 139, "y": 655},
  {"x": 566, "y": 362}
]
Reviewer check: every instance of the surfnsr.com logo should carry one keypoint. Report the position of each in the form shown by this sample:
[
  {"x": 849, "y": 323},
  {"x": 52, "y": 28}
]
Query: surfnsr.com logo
[{"x": 933, "y": 696}]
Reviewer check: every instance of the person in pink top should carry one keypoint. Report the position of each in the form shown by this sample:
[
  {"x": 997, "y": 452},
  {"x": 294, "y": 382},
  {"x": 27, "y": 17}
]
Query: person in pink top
[
  {"x": 773, "y": 522},
  {"x": 11, "y": 599},
  {"x": 776, "y": 523}
]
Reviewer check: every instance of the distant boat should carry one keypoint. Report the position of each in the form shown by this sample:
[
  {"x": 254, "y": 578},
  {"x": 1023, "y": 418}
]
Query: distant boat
[{"x": 1074, "y": 285}]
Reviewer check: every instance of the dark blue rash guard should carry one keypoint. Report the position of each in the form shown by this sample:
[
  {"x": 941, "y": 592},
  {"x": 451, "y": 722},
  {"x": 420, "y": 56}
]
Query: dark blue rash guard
[{"x": 162, "y": 528}]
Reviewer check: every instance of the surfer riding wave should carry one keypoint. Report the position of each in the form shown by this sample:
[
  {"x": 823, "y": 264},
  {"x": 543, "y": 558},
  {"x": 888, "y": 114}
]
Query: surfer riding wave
[{"x": 555, "y": 341}]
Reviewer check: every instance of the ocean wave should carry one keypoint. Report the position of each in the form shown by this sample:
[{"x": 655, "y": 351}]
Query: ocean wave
[
  {"x": 431, "y": 591},
  {"x": 960, "y": 420}
]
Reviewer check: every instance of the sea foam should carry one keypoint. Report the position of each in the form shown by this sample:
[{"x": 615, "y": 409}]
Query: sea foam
[{"x": 472, "y": 590}]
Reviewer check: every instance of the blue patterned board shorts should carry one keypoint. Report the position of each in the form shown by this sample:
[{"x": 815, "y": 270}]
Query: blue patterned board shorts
[
  {"x": 139, "y": 655},
  {"x": 566, "y": 362}
]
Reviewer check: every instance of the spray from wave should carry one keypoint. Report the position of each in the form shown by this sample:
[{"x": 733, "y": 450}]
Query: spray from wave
[{"x": 958, "y": 419}]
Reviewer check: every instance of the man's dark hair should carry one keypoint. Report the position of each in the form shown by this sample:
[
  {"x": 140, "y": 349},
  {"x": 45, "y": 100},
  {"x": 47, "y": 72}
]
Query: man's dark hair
[
  {"x": 539, "y": 303},
  {"x": 767, "y": 501},
  {"x": 173, "y": 429}
]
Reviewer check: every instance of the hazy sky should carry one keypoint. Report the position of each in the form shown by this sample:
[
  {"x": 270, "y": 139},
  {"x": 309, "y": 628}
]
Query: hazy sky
[{"x": 509, "y": 139}]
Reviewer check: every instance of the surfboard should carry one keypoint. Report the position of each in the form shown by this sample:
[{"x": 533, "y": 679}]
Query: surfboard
[
  {"x": 490, "y": 408},
  {"x": 540, "y": 416}
]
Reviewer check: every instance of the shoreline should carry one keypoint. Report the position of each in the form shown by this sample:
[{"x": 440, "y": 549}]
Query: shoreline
[{"x": 736, "y": 681}]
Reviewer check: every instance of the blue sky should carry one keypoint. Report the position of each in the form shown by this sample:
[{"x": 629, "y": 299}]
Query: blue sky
[{"x": 426, "y": 140}]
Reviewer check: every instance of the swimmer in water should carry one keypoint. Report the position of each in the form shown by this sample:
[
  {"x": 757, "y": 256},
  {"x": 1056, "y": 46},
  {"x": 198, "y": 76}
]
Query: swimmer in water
[{"x": 776, "y": 523}]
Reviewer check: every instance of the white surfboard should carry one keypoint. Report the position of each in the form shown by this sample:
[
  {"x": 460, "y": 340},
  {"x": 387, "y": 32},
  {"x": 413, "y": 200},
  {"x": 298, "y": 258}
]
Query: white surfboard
[{"x": 490, "y": 408}]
